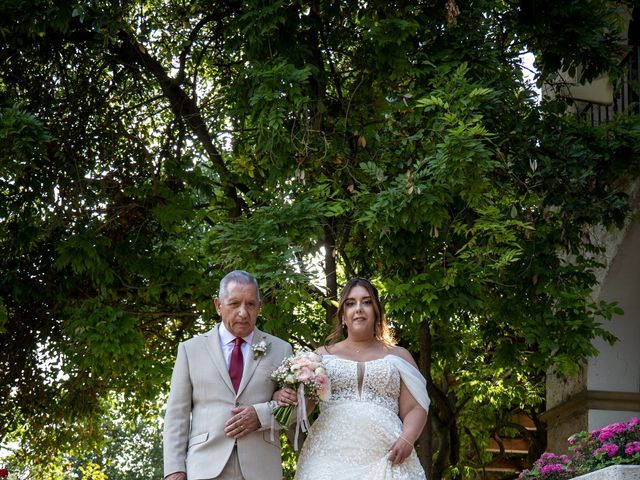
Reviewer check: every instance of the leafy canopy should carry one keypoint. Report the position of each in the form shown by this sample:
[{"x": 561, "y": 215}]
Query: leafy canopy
[{"x": 148, "y": 148}]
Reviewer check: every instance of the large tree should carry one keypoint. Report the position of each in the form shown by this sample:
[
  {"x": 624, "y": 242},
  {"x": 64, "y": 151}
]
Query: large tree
[{"x": 149, "y": 147}]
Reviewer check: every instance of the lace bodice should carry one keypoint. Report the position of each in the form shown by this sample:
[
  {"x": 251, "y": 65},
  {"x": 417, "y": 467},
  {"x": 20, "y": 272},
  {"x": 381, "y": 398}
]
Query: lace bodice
[
  {"x": 357, "y": 426},
  {"x": 375, "y": 381}
]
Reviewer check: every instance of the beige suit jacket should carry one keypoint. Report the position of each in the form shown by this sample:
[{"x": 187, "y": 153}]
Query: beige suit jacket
[{"x": 200, "y": 402}]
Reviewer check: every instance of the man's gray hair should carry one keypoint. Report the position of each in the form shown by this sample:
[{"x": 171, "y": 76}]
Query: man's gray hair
[{"x": 238, "y": 276}]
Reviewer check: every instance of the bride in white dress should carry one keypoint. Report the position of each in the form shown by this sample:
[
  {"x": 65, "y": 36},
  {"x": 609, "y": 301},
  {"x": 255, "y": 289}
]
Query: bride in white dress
[{"x": 378, "y": 405}]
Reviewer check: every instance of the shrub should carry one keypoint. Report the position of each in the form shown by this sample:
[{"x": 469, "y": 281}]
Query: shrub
[{"x": 615, "y": 444}]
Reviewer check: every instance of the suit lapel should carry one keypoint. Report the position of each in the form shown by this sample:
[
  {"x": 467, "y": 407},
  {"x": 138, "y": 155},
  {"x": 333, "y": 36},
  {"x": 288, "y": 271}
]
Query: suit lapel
[
  {"x": 215, "y": 350},
  {"x": 252, "y": 362}
]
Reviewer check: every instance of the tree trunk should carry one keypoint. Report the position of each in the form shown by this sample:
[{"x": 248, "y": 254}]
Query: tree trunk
[
  {"x": 441, "y": 461},
  {"x": 426, "y": 437},
  {"x": 330, "y": 270},
  {"x": 440, "y": 434},
  {"x": 454, "y": 450}
]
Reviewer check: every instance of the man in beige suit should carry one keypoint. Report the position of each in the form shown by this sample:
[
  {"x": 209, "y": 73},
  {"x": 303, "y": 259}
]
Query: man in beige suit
[{"x": 218, "y": 419}]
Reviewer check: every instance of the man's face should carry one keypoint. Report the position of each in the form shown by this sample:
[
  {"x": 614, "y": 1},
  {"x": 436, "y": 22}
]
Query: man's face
[{"x": 240, "y": 308}]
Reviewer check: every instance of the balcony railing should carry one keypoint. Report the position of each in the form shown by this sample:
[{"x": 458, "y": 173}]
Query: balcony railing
[{"x": 626, "y": 93}]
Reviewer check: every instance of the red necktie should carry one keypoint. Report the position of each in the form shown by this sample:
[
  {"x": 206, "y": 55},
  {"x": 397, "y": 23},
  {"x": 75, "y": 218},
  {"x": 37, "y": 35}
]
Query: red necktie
[{"x": 236, "y": 364}]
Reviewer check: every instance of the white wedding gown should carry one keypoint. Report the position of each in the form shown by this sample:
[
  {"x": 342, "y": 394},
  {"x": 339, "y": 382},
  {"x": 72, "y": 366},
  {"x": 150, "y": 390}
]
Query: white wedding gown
[{"x": 351, "y": 437}]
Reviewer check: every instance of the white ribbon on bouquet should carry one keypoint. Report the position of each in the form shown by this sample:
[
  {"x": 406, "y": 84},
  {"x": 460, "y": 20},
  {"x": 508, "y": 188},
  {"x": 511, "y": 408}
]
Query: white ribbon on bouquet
[{"x": 302, "y": 422}]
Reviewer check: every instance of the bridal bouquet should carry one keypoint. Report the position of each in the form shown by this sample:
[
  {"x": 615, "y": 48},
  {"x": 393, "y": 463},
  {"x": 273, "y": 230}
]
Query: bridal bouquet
[{"x": 305, "y": 373}]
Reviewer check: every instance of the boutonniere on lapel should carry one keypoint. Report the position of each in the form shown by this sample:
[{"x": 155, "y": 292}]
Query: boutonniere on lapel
[{"x": 259, "y": 349}]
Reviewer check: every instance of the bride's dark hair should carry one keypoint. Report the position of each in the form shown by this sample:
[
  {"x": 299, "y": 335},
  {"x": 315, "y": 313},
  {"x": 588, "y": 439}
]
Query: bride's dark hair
[{"x": 381, "y": 329}]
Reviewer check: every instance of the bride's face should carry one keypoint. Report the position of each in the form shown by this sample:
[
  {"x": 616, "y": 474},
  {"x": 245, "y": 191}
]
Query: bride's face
[{"x": 359, "y": 313}]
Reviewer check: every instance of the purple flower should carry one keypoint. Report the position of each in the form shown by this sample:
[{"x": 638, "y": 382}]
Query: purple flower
[
  {"x": 611, "y": 449},
  {"x": 620, "y": 427},
  {"x": 614, "y": 443},
  {"x": 552, "y": 467},
  {"x": 632, "y": 447},
  {"x": 523, "y": 474},
  {"x": 609, "y": 431},
  {"x": 605, "y": 435}
]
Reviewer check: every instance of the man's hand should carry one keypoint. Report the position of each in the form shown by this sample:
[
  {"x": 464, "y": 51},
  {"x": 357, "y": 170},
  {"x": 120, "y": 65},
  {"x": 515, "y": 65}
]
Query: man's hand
[
  {"x": 285, "y": 396},
  {"x": 176, "y": 476},
  {"x": 244, "y": 420}
]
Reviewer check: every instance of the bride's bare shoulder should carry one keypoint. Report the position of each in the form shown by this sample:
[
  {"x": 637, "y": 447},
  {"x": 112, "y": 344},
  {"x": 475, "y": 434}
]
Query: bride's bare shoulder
[
  {"x": 322, "y": 350},
  {"x": 403, "y": 353},
  {"x": 333, "y": 349}
]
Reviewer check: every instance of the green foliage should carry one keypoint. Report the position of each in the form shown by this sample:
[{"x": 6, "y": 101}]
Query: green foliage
[
  {"x": 21, "y": 136},
  {"x": 147, "y": 149},
  {"x": 130, "y": 448},
  {"x": 3, "y": 316},
  {"x": 289, "y": 457},
  {"x": 102, "y": 338},
  {"x": 583, "y": 53}
]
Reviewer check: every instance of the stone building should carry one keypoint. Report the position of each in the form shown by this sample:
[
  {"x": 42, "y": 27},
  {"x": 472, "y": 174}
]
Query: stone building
[{"x": 607, "y": 389}]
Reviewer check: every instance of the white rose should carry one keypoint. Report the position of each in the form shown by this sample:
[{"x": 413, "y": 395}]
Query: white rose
[
  {"x": 290, "y": 379},
  {"x": 320, "y": 371}
]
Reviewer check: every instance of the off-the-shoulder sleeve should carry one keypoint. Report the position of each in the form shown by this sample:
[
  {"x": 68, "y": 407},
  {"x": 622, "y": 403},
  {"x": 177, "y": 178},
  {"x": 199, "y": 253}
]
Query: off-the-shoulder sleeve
[{"x": 412, "y": 379}]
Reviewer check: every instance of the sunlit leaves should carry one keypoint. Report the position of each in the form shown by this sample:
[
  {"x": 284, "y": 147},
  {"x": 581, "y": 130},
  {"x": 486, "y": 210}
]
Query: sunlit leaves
[
  {"x": 102, "y": 340},
  {"x": 159, "y": 145}
]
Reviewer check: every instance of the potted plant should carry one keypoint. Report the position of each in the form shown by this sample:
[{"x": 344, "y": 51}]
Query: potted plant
[{"x": 610, "y": 446}]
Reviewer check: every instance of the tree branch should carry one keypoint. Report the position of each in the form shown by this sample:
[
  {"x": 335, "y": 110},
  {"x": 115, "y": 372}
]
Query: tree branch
[{"x": 184, "y": 107}]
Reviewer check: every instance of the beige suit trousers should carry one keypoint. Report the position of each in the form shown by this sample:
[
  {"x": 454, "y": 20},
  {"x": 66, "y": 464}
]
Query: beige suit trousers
[{"x": 231, "y": 470}]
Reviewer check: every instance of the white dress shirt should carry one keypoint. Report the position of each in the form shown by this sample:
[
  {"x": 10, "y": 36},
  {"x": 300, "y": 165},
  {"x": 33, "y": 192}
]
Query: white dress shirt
[{"x": 227, "y": 340}]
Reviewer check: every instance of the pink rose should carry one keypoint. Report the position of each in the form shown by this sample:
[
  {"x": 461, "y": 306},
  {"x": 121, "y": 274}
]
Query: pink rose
[
  {"x": 314, "y": 365},
  {"x": 302, "y": 361},
  {"x": 304, "y": 374},
  {"x": 323, "y": 387}
]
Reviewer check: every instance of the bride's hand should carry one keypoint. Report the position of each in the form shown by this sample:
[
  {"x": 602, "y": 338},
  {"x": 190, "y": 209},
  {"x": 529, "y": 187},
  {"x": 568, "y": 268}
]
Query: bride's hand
[
  {"x": 400, "y": 450},
  {"x": 285, "y": 396}
]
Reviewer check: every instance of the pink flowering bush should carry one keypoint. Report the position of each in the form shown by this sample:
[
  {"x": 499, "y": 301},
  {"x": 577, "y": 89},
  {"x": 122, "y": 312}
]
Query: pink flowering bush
[
  {"x": 549, "y": 467},
  {"x": 615, "y": 444}
]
